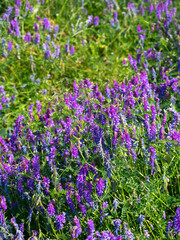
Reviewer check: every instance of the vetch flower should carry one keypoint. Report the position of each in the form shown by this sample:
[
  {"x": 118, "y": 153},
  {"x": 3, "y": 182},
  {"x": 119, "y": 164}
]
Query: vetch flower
[
  {"x": 72, "y": 50},
  {"x": 117, "y": 223},
  {"x": 47, "y": 54},
  {"x": 37, "y": 38},
  {"x": 2, "y": 218},
  {"x": 76, "y": 230},
  {"x": 60, "y": 220},
  {"x": 140, "y": 220},
  {"x": 3, "y": 203},
  {"x": 100, "y": 187},
  {"x": 74, "y": 152},
  {"x": 176, "y": 221},
  {"x": 152, "y": 152},
  {"x": 51, "y": 210},
  {"x": 9, "y": 47},
  {"x": 91, "y": 228}
]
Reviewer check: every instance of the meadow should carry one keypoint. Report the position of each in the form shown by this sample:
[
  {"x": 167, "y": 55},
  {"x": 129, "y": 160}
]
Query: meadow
[{"x": 89, "y": 119}]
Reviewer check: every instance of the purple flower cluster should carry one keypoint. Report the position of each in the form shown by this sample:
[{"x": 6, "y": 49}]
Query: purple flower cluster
[{"x": 63, "y": 151}]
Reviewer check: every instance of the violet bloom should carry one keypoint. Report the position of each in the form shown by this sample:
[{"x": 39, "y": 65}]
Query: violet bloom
[
  {"x": 115, "y": 204},
  {"x": 51, "y": 210},
  {"x": 96, "y": 21},
  {"x": 9, "y": 11},
  {"x": 37, "y": 38},
  {"x": 38, "y": 103},
  {"x": 176, "y": 221},
  {"x": 117, "y": 223},
  {"x": 3, "y": 203},
  {"x": 151, "y": 8},
  {"x": 46, "y": 185},
  {"x": 153, "y": 113},
  {"x": 36, "y": 27},
  {"x": 67, "y": 47},
  {"x": 46, "y": 24},
  {"x": 27, "y": 6},
  {"x": 115, "y": 15},
  {"x": 16, "y": 27},
  {"x": 161, "y": 133},
  {"x": 13, "y": 221},
  {"x": 100, "y": 187},
  {"x": 152, "y": 152},
  {"x": 146, "y": 234},
  {"x": 9, "y": 47},
  {"x": 16, "y": 10},
  {"x": 76, "y": 231},
  {"x": 2, "y": 218},
  {"x": 128, "y": 141},
  {"x": 91, "y": 227},
  {"x": 56, "y": 29},
  {"x": 47, "y": 54},
  {"x": 31, "y": 111},
  {"x": 140, "y": 220},
  {"x": 80, "y": 184},
  {"x": 152, "y": 133},
  {"x": 83, "y": 209},
  {"x": 57, "y": 52},
  {"x": 60, "y": 220},
  {"x": 72, "y": 50},
  {"x": 164, "y": 215},
  {"x": 169, "y": 225},
  {"x": 74, "y": 152},
  {"x": 18, "y": 3}
]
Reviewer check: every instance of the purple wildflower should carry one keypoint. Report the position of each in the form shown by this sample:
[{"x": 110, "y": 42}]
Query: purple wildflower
[
  {"x": 96, "y": 21},
  {"x": 153, "y": 113},
  {"x": 51, "y": 210},
  {"x": 60, "y": 220},
  {"x": 31, "y": 111},
  {"x": 18, "y": 3},
  {"x": 56, "y": 29},
  {"x": 164, "y": 119},
  {"x": 74, "y": 152},
  {"x": 16, "y": 10},
  {"x": 117, "y": 223},
  {"x": 128, "y": 141},
  {"x": 140, "y": 220},
  {"x": 169, "y": 225},
  {"x": 128, "y": 234},
  {"x": 153, "y": 131},
  {"x": 115, "y": 204},
  {"x": 9, "y": 47},
  {"x": 37, "y": 38},
  {"x": 47, "y": 54},
  {"x": 83, "y": 209},
  {"x": 38, "y": 106},
  {"x": 91, "y": 227},
  {"x": 76, "y": 231},
  {"x": 72, "y": 50},
  {"x": 146, "y": 234},
  {"x": 3, "y": 203},
  {"x": 67, "y": 47},
  {"x": 164, "y": 215},
  {"x": 176, "y": 221},
  {"x": 46, "y": 184},
  {"x": 161, "y": 133},
  {"x": 2, "y": 218},
  {"x": 46, "y": 24},
  {"x": 100, "y": 187},
  {"x": 115, "y": 15},
  {"x": 152, "y": 152}
]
